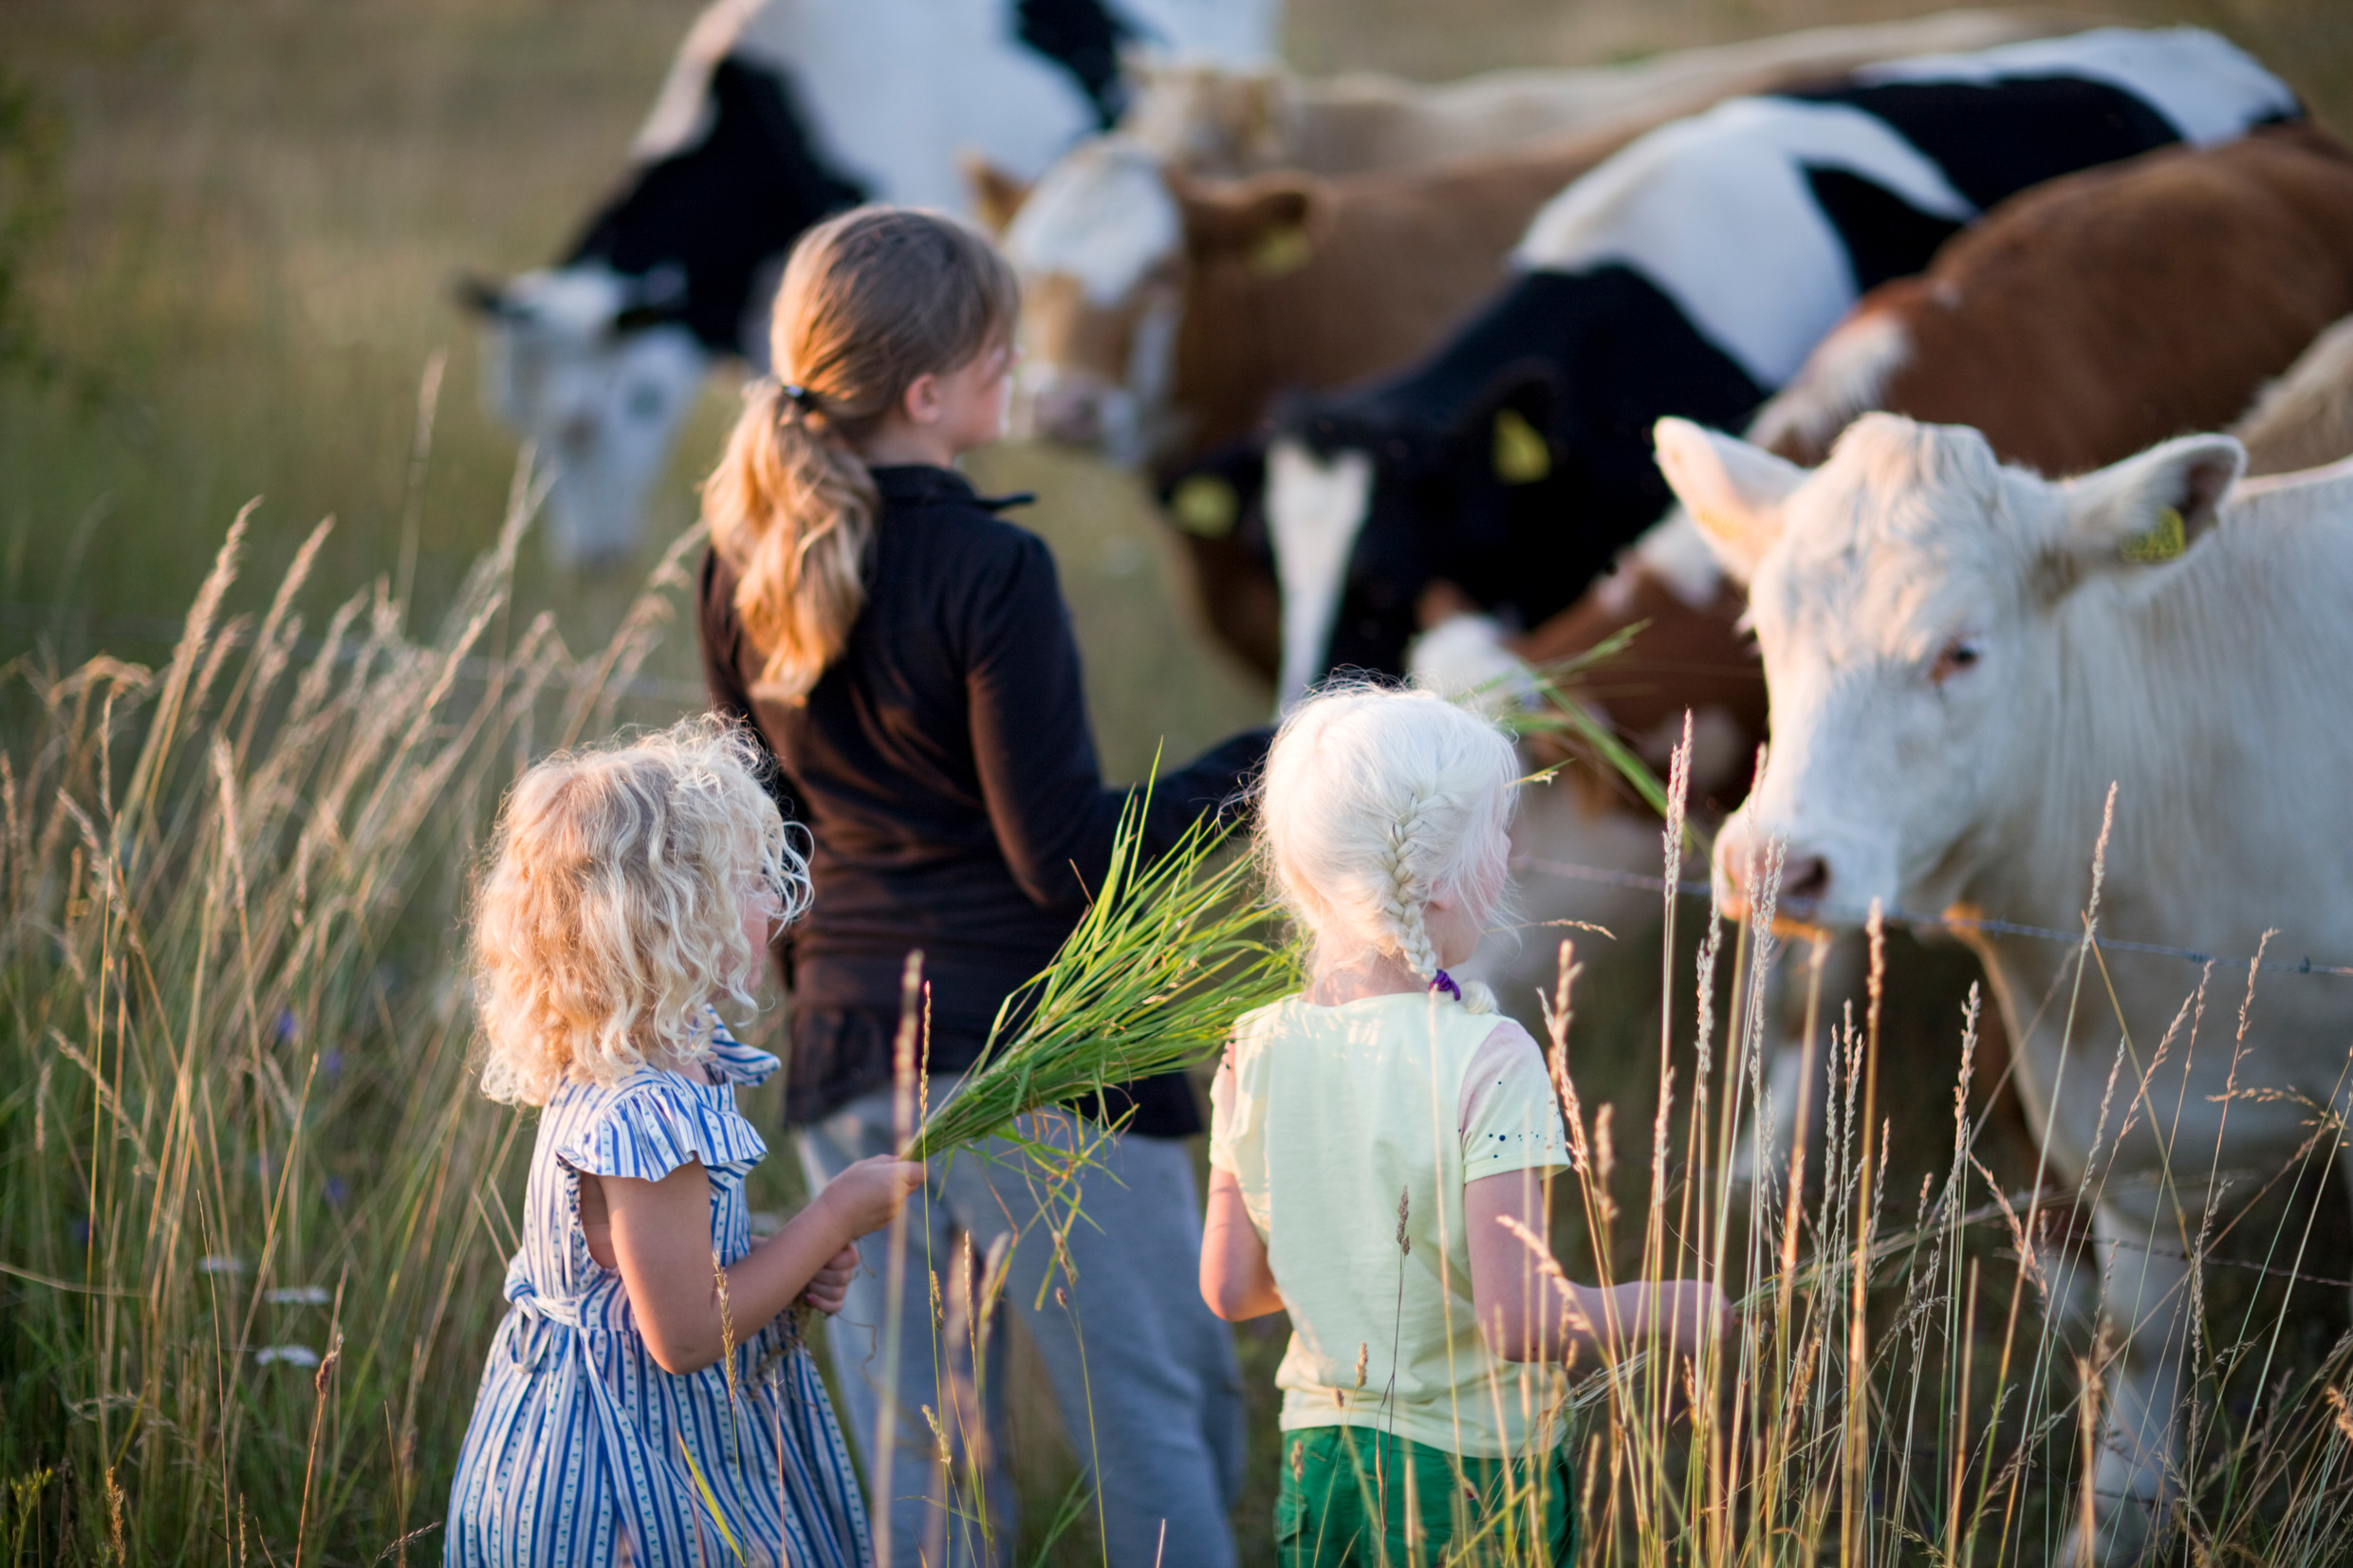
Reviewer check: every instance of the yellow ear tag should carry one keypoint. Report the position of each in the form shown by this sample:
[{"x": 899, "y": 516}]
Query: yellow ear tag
[
  {"x": 2163, "y": 543},
  {"x": 1205, "y": 506},
  {"x": 1521, "y": 455},
  {"x": 1281, "y": 251}
]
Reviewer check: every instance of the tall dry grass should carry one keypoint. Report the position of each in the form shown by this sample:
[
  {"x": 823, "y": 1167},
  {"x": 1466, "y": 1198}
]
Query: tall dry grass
[
  {"x": 252, "y": 1222},
  {"x": 1914, "y": 1376},
  {"x": 251, "y": 1228},
  {"x": 1915, "y": 1373}
]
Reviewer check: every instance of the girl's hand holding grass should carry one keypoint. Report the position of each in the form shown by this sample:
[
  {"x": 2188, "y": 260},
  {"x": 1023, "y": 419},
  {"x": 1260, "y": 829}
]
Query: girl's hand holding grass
[
  {"x": 869, "y": 1195},
  {"x": 656, "y": 1233}
]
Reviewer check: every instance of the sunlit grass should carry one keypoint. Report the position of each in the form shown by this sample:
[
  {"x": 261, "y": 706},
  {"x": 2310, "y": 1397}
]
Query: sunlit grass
[{"x": 251, "y": 1205}]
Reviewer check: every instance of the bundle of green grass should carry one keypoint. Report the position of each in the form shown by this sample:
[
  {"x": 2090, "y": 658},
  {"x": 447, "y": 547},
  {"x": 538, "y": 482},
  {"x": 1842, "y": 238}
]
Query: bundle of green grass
[{"x": 1171, "y": 951}]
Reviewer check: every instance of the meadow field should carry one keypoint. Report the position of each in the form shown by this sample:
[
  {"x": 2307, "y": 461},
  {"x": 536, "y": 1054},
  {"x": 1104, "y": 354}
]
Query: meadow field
[{"x": 253, "y": 1217}]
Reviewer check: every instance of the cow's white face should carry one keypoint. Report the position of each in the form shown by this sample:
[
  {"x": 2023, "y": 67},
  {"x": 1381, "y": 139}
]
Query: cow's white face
[
  {"x": 1100, "y": 245},
  {"x": 1315, "y": 510},
  {"x": 1913, "y": 601},
  {"x": 602, "y": 401}
]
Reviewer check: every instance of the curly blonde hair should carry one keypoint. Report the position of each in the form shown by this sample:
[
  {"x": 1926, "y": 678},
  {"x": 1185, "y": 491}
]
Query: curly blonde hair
[{"x": 611, "y": 913}]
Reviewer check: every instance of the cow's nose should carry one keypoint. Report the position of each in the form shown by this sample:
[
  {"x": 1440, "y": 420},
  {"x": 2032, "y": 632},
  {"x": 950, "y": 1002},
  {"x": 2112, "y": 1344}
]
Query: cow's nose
[{"x": 1804, "y": 877}]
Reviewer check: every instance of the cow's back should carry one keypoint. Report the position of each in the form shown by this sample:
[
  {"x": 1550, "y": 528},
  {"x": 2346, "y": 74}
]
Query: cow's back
[
  {"x": 1397, "y": 257},
  {"x": 2102, "y": 313}
]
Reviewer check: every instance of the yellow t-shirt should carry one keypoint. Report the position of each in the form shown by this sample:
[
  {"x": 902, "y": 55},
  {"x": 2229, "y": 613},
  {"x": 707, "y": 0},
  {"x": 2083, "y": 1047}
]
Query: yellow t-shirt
[{"x": 1326, "y": 1116}]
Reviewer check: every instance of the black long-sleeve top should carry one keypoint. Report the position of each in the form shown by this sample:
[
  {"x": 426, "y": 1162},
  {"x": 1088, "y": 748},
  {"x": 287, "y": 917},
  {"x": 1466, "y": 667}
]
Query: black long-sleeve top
[{"x": 947, "y": 774}]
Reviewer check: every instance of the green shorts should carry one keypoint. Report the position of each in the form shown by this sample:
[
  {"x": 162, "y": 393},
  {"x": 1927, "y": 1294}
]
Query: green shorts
[{"x": 1345, "y": 1494}]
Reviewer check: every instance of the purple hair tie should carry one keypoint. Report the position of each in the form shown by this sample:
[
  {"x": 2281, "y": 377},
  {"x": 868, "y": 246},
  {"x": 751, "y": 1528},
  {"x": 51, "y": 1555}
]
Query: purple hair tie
[{"x": 1444, "y": 981}]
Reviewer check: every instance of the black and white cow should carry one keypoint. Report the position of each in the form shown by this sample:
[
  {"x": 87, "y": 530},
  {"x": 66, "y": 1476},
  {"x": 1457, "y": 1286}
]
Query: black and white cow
[
  {"x": 775, "y": 114},
  {"x": 1689, "y": 275}
]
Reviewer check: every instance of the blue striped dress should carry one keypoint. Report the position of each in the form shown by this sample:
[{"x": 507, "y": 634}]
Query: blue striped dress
[{"x": 582, "y": 1449}]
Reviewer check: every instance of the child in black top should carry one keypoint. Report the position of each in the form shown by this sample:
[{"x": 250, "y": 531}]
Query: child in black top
[{"x": 909, "y": 659}]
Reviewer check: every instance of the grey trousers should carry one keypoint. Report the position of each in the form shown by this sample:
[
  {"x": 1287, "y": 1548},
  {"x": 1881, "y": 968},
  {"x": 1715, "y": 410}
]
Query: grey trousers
[{"x": 1143, "y": 1372}]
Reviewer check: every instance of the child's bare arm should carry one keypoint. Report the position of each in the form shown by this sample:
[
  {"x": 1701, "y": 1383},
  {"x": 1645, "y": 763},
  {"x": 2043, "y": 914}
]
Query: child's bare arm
[
  {"x": 1528, "y": 1312},
  {"x": 1235, "y": 1281},
  {"x": 662, "y": 1244}
]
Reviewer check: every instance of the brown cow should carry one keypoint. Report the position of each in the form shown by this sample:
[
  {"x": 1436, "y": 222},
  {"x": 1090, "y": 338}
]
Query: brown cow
[{"x": 2099, "y": 314}]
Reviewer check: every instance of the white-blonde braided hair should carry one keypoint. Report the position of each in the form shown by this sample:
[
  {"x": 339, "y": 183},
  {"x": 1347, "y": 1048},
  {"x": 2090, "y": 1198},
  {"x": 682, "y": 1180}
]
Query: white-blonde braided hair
[{"x": 1378, "y": 800}]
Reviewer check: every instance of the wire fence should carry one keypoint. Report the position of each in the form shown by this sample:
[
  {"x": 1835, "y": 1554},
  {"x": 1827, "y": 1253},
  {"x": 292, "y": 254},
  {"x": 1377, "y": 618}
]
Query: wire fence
[
  {"x": 1803, "y": 910},
  {"x": 2049, "y": 1201}
]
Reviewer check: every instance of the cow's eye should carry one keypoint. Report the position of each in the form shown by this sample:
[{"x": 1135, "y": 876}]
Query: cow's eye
[{"x": 1955, "y": 656}]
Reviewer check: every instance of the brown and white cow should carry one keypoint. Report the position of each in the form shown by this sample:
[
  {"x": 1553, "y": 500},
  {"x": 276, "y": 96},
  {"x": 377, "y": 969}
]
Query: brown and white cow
[
  {"x": 1963, "y": 658},
  {"x": 1164, "y": 311}
]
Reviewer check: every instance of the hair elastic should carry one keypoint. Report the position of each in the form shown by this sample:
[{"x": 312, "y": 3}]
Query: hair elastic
[
  {"x": 1444, "y": 981},
  {"x": 800, "y": 396}
]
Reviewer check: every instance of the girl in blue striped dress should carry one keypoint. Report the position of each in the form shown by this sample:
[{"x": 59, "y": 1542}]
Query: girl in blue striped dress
[{"x": 647, "y": 1399}]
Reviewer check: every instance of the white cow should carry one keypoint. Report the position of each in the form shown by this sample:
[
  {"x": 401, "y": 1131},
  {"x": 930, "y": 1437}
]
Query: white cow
[{"x": 1962, "y": 658}]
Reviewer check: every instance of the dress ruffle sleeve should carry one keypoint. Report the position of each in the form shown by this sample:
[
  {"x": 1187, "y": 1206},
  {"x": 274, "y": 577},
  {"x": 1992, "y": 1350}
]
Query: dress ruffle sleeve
[{"x": 651, "y": 1127}]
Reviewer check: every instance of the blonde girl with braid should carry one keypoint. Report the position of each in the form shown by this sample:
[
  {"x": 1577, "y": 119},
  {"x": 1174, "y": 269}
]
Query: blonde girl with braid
[{"x": 1379, "y": 1152}]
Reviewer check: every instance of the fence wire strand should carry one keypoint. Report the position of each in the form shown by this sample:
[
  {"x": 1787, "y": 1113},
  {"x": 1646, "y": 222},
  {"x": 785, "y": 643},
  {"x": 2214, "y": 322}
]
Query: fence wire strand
[{"x": 1806, "y": 910}]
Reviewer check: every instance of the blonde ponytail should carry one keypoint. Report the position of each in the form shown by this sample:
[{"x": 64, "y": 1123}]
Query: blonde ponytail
[
  {"x": 791, "y": 508},
  {"x": 871, "y": 300}
]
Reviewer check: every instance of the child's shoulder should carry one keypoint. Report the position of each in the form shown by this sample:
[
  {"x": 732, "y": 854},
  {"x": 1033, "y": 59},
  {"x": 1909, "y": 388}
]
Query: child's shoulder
[
  {"x": 650, "y": 1123},
  {"x": 942, "y": 496},
  {"x": 1267, "y": 1017}
]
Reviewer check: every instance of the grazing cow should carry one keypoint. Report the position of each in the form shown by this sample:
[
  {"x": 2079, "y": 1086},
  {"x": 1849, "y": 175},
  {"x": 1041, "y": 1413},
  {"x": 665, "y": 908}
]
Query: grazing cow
[
  {"x": 1963, "y": 659},
  {"x": 1108, "y": 241},
  {"x": 776, "y": 113},
  {"x": 1690, "y": 275},
  {"x": 2304, "y": 420}
]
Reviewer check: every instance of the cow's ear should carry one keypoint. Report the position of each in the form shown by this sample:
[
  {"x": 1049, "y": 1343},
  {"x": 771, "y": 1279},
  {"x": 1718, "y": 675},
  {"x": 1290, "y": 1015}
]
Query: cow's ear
[
  {"x": 2152, "y": 508},
  {"x": 996, "y": 194},
  {"x": 1264, "y": 219},
  {"x": 1733, "y": 491}
]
